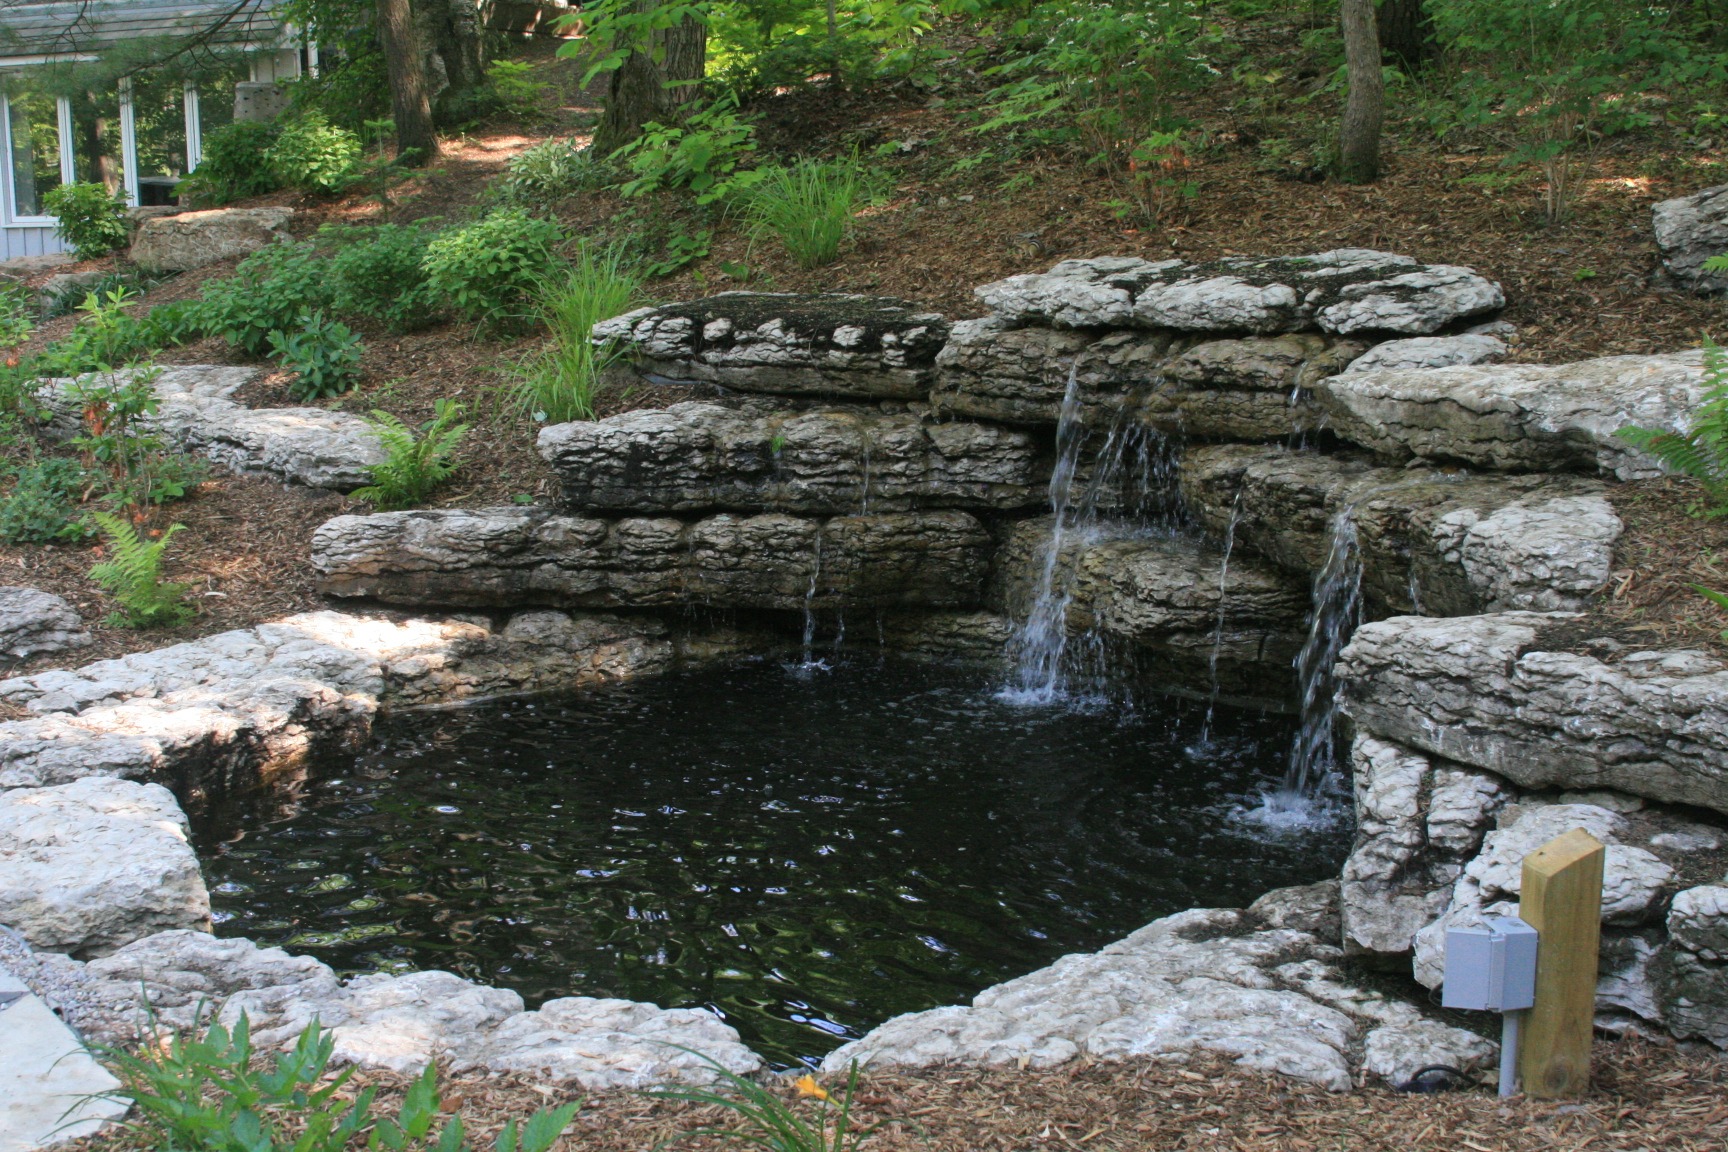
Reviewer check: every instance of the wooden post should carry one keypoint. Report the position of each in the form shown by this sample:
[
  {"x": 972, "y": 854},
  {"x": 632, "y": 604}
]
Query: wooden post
[{"x": 1562, "y": 900}]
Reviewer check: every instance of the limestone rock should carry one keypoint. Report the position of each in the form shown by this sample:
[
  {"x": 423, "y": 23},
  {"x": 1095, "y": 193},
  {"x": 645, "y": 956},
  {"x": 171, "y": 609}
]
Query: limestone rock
[
  {"x": 1697, "y": 995},
  {"x": 403, "y": 1023},
  {"x": 799, "y": 345},
  {"x": 1689, "y": 231},
  {"x": 1173, "y": 601},
  {"x": 1431, "y": 352},
  {"x": 1343, "y": 291},
  {"x": 90, "y": 866},
  {"x": 1429, "y": 542},
  {"x": 1396, "y": 1052},
  {"x": 1519, "y": 417},
  {"x": 33, "y": 622},
  {"x": 1310, "y": 908},
  {"x": 51, "y": 1089},
  {"x": 512, "y": 556},
  {"x": 978, "y": 636},
  {"x": 1698, "y": 922},
  {"x": 705, "y": 456},
  {"x": 611, "y": 1044},
  {"x": 188, "y": 240},
  {"x": 1481, "y": 691}
]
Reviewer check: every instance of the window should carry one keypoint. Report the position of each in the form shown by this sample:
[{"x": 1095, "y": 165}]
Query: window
[{"x": 35, "y": 155}]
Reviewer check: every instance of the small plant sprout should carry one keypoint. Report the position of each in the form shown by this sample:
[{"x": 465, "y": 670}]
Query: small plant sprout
[
  {"x": 413, "y": 465},
  {"x": 133, "y": 576},
  {"x": 768, "y": 1121}
]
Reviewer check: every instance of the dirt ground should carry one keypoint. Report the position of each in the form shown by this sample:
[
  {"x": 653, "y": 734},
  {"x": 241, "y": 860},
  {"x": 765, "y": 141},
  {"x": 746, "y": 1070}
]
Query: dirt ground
[{"x": 1645, "y": 1098}]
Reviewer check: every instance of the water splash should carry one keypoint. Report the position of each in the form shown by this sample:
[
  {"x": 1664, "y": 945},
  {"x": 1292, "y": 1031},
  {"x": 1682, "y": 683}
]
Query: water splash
[
  {"x": 1204, "y": 744},
  {"x": 810, "y": 663}
]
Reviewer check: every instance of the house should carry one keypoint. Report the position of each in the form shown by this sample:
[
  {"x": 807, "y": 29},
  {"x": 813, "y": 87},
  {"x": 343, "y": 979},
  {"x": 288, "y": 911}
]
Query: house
[{"x": 139, "y": 134}]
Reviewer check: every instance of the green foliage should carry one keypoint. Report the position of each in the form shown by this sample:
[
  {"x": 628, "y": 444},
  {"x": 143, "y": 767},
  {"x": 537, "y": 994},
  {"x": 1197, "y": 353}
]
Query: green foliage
[
  {"x": 234, "y": 164},
  {"x": 702, "y": 154},
  {"x": 561, "y": 382},
  {"x": 512, "y": 90},
  {"x": 550, "y": 171},
  {"x": 323, "y": 354},
  {"x": 809, "y": 206},
  {"x": 105, "y": 337},
  {"x": 17, "y": 313},
  {"x": 133, "y": 576},
  {"x": 313, "y": 155},
  {"x": 267, "y": 292},
  {"x": 1702, "y": 452},
  {"x": 177, "y": 322},
  {"x": 770, "y": 1122},
  {"x": 378, "y": 273},
  {"x": 42, "y": 507},
  {"x": 1716, "y": 265},
  {"x": 489, "y": 270},
  {"x": 413, "y": 465},
  {"x": 91, "y": 218},
  {"x": 1720, "y": 599},
  {"x": 115, "y": 406}
]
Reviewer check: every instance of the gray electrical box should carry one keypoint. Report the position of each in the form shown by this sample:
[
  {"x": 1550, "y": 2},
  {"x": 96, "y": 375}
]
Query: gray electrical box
[{"x": 1491, "y": 968}]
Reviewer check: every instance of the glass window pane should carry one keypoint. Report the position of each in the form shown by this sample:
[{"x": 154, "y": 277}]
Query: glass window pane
[
  {"x": 96, "y": 153},
  {"x": 159, "y": 118},
  {"x": 35, "y": 150}
]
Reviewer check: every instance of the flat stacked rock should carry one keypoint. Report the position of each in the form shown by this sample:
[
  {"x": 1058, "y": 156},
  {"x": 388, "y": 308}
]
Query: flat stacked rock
[{"x": 34, "y": 623}]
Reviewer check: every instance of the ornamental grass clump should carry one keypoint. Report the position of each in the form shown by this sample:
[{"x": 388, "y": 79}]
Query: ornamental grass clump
[
  {"x": 809, "y": 207},
  {"x": 562, "y": 382},
  {"x": 768, "y": 1121}
]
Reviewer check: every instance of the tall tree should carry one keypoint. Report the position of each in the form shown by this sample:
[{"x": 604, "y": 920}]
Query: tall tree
[
  {"x": 1406, "y": 33},
  {"x": 1365, "y": 106},
  {"x": 659, "y": 76},
  {"x": 416, "y": 139}
]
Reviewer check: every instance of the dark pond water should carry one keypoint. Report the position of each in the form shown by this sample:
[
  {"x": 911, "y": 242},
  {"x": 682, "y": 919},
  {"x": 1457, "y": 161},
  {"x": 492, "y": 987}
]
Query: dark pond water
[{"x": 806, "y": 855}]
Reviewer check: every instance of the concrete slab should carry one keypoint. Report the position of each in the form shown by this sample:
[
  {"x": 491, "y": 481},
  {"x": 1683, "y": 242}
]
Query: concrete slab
[{"x": 46, "y": 1076}]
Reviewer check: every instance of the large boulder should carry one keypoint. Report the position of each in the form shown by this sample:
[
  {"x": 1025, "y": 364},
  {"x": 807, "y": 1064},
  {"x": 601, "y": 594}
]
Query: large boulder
[
  {"x": 1429, "y": 542},
  {"x": 707, "y": 456},
  {"x": 1343, "y": 291},
  {"x": 90, "y": 866},
  {"x": 188, "y": 240},
  {"x": 1691, "y": 230},
  {"x": 33, "y": 622},
  {"x": 823, "y": 344},
  {"x": 1484, "y": 691},
  {"x": 1519, "y": 417},
  {"x": 513, "y": 556}
]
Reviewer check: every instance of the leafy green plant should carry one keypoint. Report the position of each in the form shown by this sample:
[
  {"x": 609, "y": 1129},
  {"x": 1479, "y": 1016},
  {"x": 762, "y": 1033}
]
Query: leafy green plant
[
  {"x": 105, "y": 337},
  {"x": 17, "y": 313},
  {"x": 168, "y": 325},
  {"x": 1701, "y": 452},
  {"x": 90, "y": 218},
  {"x": 313, "y": 155},
  {"x": 207, "y": 1093},
  {"x": 704, "y": 154},
  {"x": 133, "y": 576},
  {"x": 1720, "y": 599},
  {"x": 267, "y": 292},
  {"x": 235, "y": 164},
  {"x": 490, "y": 270},
  {"x": 115, "y": 407},
  {"x": 512, "y": 90},
  {"x": 770, "y": 1122},
  {"x": 809, "y": 206},
  {"x": 42, "y": 507},
  {"x": 550, "y": 171},
  {"x": 561, "y": 382},
  {"x": 413, "y": 465},
  {"x": 377, "y": 273},
  {"x": 323, "y": 354},
  {"x": 1716, "y": 264}
]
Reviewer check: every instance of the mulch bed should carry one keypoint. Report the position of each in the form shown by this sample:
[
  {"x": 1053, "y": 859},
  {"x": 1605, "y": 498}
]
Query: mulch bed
[{"x": 1646, "y": 1097}]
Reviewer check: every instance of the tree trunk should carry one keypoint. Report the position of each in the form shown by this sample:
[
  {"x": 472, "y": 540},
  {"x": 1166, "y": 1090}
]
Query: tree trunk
[
  {"x": 1406, "y": 33},
  {"x": 416, "y": 141},
  {"x": 644, "y": 88},
  {"x": 453, "y": 45},
  {"x": 1359, "y": 135}
]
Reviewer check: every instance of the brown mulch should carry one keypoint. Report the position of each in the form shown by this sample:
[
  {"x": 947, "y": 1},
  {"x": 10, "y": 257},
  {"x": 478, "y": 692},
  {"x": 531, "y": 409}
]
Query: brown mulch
[
  {"x": 1645, "y": 1097},
  {"x": 1665, "y": 550}
]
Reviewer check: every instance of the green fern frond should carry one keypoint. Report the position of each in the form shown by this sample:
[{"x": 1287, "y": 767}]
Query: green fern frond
[
  {"x": 1701, "y": 452},
  {"x": 413, "y": 465},
  {"x": 133, "y": 576}
]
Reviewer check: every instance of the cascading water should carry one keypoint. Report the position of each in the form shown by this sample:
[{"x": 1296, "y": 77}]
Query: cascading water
[
  {"x": 1204, "y": 744},
  {"x": 810, "y": 664},
  {"x": 1304, "y": 798}
]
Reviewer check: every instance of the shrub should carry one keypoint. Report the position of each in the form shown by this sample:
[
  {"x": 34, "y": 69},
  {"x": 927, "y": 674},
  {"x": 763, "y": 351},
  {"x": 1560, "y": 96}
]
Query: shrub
[
  {"x": 489, "y": 270},
  {"x": 378, "y": 272},
  {"x": 134, "y": 577},
  {"x": 323, "y": 354},
  {"x": 106, "y": 337},
  {"x": 552, "y": 170},
  {"x": 209, "y": 1094},
  {"x": 42, "y": 507},
  {"x": 512, "y": 90},
  {"x": 809, "y": 206},
  {"x": 235, "y": 164},
  {"x": 313, "y": 155},
  {"x": 267, "y": 292},
  {"x": 413, "y": 466},
  {"x": 115, "y": 406},
  {"x": 172, "y": 324},
  {"x": 17, "y": 313},
  {"x": 561, "y": 383},
  {"x": 91, "y": 218},
  {"x": 1702, "y": 452},
  {"x": 702, "y": 154}
]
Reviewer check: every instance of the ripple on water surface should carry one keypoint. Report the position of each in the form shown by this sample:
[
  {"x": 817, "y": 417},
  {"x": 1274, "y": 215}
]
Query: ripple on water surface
[{"x": 807, "y": 855}]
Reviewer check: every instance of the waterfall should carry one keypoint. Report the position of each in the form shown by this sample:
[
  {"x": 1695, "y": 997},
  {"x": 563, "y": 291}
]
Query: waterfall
[
  {"x": 1204, "y": 744},
  {"x": 1302, "y": 799},
  {"x": 810, "y": 664}
]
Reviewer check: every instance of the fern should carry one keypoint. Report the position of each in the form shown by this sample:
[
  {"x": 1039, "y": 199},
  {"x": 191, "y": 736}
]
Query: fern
[
  {"x": 413, "y": 465},
  {"x": 1717, "y": 263},
  {"x": 1720, "y": 599},
  {"x": 1701, "y": 453},
  {"x": 134, "y": 577}
]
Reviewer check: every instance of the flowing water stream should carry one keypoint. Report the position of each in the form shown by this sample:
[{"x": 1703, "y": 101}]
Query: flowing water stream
[{"x": 806, "y": 855}]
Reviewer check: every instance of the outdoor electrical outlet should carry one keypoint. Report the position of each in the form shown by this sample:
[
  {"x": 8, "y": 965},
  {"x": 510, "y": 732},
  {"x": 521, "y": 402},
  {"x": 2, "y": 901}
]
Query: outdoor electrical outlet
[{"x": 1493, "y": 969}]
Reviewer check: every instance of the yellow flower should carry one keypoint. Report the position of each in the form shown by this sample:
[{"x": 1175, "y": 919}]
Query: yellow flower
[{"x": 807, "y": 1086}]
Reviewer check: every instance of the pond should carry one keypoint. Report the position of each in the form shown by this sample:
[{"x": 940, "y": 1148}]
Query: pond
[{"x": 807, "y": 854}]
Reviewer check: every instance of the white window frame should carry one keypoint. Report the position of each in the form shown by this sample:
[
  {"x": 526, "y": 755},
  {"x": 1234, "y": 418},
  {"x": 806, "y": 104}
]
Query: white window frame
[{"x": 8, "y": 193}]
